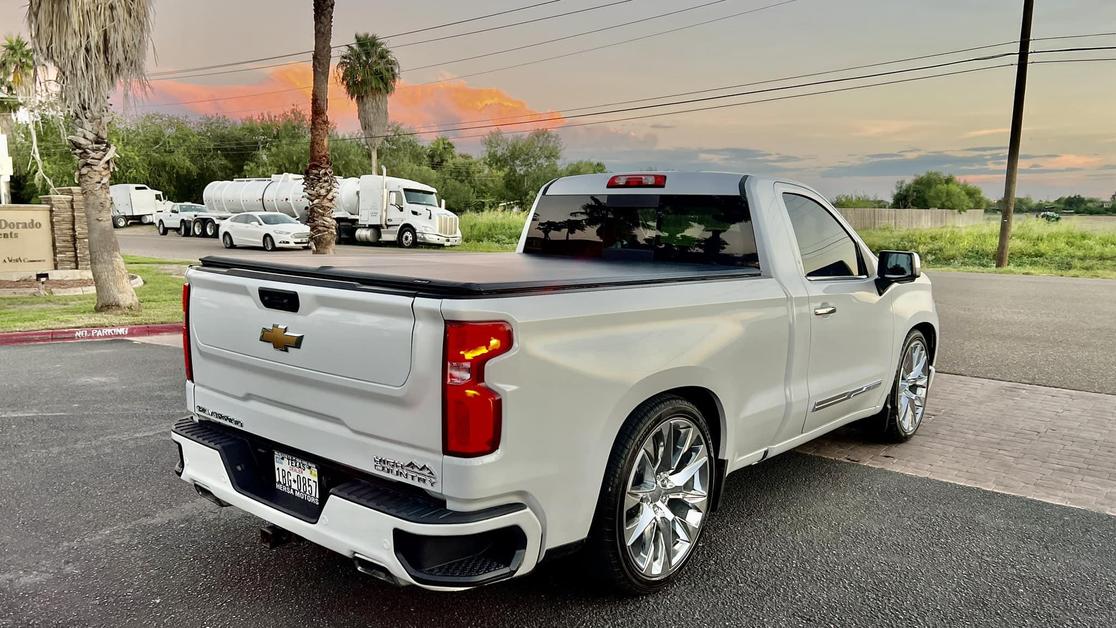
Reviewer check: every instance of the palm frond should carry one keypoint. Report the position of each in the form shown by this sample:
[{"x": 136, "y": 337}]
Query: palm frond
[
  {"x": 95, "y": 45},
  {"x": 367, "y": 67}
]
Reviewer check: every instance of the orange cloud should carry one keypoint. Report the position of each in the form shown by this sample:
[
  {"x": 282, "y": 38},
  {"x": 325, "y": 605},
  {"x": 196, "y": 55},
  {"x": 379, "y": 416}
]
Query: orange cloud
[{"x": 420, "y": 106}]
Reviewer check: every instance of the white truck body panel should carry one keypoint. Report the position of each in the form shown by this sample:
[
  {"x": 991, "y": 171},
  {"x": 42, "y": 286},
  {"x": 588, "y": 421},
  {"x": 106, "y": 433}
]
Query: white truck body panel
[
  {"x": 134, "y": 200},
  {"x": 583, "y": 360}
]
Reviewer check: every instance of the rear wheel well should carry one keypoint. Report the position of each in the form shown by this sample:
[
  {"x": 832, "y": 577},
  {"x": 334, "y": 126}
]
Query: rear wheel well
[{"x": 710, "y": 408}]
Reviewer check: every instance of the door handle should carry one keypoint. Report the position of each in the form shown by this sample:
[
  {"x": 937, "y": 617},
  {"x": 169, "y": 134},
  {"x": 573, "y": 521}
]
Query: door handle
[{"x": 825, "y": 310}]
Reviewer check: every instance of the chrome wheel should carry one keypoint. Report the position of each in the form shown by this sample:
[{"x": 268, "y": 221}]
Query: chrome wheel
[
  {"x": 667, "y": 496},
  {"x": 914, "y": 378}
]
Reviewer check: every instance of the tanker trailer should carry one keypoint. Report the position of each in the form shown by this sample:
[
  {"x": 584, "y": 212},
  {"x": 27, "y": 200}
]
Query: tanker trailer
[{"x": 369, "y": 208}]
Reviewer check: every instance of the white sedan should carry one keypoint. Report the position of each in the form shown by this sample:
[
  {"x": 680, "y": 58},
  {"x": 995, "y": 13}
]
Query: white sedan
[{"x": 270, "y": 230}]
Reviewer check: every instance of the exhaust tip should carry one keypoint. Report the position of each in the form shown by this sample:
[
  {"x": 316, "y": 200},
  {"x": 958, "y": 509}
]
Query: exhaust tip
[
  {"x": 205, "y": 492},
  {"x": 367, "y": 567}
]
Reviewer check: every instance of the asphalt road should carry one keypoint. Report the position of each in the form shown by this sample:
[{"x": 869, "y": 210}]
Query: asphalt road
[
  {"x": 1050, "y": 331},
  {"x": 143, "y": 240},
  {"x": 95, "y": 529}
]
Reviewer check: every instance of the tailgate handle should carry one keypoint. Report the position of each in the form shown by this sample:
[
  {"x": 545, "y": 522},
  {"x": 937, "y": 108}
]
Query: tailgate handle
[{"x": 284, "y": 300}]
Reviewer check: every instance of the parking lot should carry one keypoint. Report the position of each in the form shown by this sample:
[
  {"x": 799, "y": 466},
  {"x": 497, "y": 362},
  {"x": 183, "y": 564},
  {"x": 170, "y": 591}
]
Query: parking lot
[{"x": 97, "y": 530}]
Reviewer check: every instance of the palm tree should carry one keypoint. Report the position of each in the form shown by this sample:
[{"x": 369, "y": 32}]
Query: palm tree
[
  {"x": 369, "y": 71},
  {"x": 95, "y": 45},
  {"x": 320, "y": 186},
  {"x": 17, "y": 70}
]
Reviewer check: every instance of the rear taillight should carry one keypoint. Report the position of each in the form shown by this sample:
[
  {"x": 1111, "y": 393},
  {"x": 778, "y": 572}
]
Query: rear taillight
[
  {"x": 470, "y": 410},
  {"x": 186, "y": 332},
  {"x": 637, "y": 181}
]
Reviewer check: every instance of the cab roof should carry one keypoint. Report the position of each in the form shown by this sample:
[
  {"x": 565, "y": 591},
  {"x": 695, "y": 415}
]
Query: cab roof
[{"x": 717, "y": 183}]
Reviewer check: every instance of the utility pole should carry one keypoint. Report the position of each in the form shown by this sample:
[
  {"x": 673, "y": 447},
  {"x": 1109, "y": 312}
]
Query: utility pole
[{"x": 1016, "y": 132}]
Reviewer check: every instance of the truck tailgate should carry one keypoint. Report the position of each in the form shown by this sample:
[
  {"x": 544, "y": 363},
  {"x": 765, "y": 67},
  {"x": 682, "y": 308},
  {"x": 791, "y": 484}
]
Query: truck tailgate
[{"x": 332, "y": 375}]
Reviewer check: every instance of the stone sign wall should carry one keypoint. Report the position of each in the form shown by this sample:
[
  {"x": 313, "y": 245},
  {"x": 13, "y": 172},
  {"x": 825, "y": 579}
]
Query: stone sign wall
[
  {"x": 71, "y": 233},
  {"x": 25, "y": 238}
]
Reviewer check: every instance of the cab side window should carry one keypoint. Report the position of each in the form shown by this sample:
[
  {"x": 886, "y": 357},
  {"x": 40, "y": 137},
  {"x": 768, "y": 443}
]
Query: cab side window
[{"x": 827, "y": 249}]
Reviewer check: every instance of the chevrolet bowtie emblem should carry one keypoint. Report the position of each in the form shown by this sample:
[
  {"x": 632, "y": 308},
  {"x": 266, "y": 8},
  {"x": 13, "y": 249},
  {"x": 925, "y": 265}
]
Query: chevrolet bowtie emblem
[{"x": 280, "y": 339}]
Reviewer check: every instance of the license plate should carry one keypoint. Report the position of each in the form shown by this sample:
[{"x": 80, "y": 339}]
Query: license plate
[{"x": 297, "y": 477}]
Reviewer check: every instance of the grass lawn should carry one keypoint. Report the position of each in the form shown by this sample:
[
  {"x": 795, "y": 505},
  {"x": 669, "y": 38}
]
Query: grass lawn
[
  {"x": 490, "y": 231},
  {"x": 160, "y": 295},
  {"x": 1037, "y": 248}
]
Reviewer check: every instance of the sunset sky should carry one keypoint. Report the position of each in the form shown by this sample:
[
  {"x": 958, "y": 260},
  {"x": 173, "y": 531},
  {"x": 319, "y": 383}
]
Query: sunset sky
[{"x": 858, "y": 141}]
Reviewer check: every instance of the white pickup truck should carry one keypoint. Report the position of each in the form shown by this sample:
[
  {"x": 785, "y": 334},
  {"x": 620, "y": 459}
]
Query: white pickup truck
[
  {"x": 189, "y": 219},
  {"x": 449, "y": 420}
]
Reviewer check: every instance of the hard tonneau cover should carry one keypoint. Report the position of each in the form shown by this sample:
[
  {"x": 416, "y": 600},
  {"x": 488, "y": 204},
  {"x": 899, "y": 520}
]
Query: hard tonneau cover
[{"x": 466, "y": 275}]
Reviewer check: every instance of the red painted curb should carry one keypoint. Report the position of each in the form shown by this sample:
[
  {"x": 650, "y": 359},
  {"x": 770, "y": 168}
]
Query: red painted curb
[{"x": 86, "y": 333}]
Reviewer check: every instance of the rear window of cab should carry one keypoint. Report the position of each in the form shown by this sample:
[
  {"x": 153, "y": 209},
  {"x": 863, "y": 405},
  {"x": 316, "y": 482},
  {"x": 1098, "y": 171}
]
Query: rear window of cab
[{"x": 681, "y": 228}]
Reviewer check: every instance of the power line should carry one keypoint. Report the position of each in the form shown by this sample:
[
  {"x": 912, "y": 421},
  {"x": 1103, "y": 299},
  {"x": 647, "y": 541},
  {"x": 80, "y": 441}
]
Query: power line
[
  {"x": 778, "y": 98},
  {"x": 163, "y": 76},
  {"x": 401, "y": 34},
  {"x": 564, "y": 118},
  {"x": 581, "y": 34},
  {"x": 231, "y": 147},
  {"x": 661, "y": 15},
  {"x": 700, "y": 91},
  {"x": 176, "y": 76},
  {"x": 498, "y": 52},
  {"x": 609, "y": 45}
]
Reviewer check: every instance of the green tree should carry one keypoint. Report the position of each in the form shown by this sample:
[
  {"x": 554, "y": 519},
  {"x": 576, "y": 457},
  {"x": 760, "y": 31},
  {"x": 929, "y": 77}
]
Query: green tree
[
  {"x": 1073, "y": 203},
  {"x": 934, "y": 189},
  {"x": 440, "y": 153},
  {"x": 94, "y": 46},
  {"x": 369, "y": 72},
  {"x": 949, "y": 196},
  {"x": 522, "y": 164},
  {"x": 583, "y": 167},
  {"x": 858, "y": 200}
]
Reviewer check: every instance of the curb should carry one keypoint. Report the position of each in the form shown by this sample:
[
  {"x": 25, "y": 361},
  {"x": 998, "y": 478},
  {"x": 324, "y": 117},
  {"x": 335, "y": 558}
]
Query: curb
[{"x": 86, "y": 333}]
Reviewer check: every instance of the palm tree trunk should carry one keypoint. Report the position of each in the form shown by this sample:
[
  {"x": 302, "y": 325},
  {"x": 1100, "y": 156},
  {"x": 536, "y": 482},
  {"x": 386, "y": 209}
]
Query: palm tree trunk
[
  {"x": 320, "y": 186},
  {"x": 366, "y": 114},
  {"x": 95, "y": 158}
]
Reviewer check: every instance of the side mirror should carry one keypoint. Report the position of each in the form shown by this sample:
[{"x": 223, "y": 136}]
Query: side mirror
[
  {"x": 897, "y": 267},
  {"x": 393, "y": 200}
]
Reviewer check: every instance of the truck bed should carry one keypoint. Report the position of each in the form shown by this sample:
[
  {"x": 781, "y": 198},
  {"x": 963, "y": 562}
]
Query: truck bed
[{"x": 471, "y": 275}]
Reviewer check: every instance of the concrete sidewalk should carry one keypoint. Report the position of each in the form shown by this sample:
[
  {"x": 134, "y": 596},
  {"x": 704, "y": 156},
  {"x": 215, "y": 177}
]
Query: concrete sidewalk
[{"x": 1050, "y": 444}]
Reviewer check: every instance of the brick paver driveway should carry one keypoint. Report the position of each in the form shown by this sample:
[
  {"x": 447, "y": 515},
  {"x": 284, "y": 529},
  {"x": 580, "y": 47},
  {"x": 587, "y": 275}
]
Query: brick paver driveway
[{"x": 1044, "y": 443}]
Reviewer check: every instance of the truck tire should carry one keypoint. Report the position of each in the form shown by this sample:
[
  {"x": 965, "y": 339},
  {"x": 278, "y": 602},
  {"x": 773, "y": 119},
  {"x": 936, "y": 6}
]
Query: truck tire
[
  {"x": 210, "y": 229},
  {"x": 905, "y": 407},
  {"x": 228, "y": 241},
  {"x": 145, "y": 219},
  {"x": 161, "y": 228},
  {"x": 119, "y": 222},
  {"x": 407, "y": 239},
  {"x": 268, "y": 243},
  {"x": 653, "y": 506},
  {"x": 185, "y": 229},
  {"x": 198, "y": 227}
]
